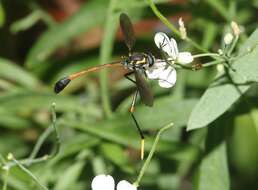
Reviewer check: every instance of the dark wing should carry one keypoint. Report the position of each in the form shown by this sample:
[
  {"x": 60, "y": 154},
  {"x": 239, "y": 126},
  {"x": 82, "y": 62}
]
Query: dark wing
[
  {"x": 144, "y": 90},
  {"x": 127, "y": 30}
]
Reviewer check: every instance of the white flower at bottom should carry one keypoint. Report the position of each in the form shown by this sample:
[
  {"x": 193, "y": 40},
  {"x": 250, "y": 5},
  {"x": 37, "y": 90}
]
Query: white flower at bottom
[
  {"x": 125, "y": 185},
  {"x": 164, "y": 73},
  {"x": 103, "y": 182},
  {"x": 106, "y": 182}
]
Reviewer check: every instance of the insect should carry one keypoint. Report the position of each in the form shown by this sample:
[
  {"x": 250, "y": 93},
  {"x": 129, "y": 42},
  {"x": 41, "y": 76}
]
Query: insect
[{"x": 136, "y": 63}]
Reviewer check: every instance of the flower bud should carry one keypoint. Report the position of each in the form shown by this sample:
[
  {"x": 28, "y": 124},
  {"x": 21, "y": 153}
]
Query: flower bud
[
  {"x": 220, "y": 68},
  {"x": 228, "y": 38},
  {"x": 220, "y": 51},
  {"x": 182, "y": 28},
  {"x": 235, "y": 28},
  {"x": 10, "y": 156},
  {"x": 184, "y": 58}
]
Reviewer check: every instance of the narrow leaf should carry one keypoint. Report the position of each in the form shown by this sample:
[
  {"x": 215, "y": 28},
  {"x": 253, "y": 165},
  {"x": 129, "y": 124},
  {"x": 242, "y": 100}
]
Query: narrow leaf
[
  {"x": 14, "y": 73},
  {"x": 89, "y": 16}
]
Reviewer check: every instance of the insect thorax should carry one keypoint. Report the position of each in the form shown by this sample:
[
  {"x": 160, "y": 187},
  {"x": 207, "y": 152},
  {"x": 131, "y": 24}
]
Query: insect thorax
[{"x": 138, "y": 61}]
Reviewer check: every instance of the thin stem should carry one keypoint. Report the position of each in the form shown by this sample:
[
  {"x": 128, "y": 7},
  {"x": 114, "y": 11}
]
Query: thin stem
[
  {"x": 58, "y": 141},
  {"x": 2, "y": 158},
  {"x": 27, "y": 161},
  {"x": 152, "y": 151},
  {"x": 207, "y": 55},
  {"x": 29, "y": 173},
  {"x": 172, "y": 27},
  {"x": 105, "y": 53},
  {"x": 208, "y": 64},
  {"x": 49, "y": 21},
  {"x": 39, "y": 143},
  {"x": 232, "y": 46},
  {"x": 44, "y": 136},
  {"x": 181, "y": 66},
  {"x": 5, "y": 179}
]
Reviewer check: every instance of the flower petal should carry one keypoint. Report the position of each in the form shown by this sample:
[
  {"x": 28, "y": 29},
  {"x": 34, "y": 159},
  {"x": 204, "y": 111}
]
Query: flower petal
[
  {"x": 125, "y": 185},
  {"x": 103, "y": 182},
  {"x": 185, "y": 58},
  {"x": 162, "y": 41},
  {"x": 174, "y": 49},
  {"x": 168, "y": 78},
  {"x": 154, "y": 71}
]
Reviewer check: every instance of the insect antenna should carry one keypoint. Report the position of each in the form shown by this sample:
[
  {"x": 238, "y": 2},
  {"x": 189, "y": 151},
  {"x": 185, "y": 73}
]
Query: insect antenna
[{"x": 62, "y": 83}]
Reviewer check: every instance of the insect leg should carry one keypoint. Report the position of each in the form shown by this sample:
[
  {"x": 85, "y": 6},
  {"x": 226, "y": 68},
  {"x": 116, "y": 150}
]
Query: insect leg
[
  {"x": 128, "y": 78},
  {"x": 131, "y": 110}
]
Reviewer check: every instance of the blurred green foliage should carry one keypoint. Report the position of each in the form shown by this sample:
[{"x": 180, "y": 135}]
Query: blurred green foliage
[{"x": 97, "y": 133}]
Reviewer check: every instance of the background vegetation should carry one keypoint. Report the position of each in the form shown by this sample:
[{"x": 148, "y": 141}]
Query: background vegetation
[{"x": 42, "y": 41}]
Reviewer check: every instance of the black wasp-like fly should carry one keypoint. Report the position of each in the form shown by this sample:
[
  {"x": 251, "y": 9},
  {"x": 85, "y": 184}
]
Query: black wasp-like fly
[{"x": 136, "y": 63}]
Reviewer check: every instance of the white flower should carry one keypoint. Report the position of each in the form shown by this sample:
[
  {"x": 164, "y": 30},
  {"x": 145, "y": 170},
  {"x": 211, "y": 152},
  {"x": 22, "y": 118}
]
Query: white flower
[
  {"x": 125, "y": 185},
  {"x": 164, "y": 73},
  {"x": 170, "y": 48},
  {"x": 161, "y": 70},
  {"x": 106, "y": 182}
]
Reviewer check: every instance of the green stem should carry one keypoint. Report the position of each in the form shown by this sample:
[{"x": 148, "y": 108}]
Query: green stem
[
  {"x": 39, "y": 143},
  {"x": 208, "y": 64},
  {"x": 2, "y": 158},
  {"x": 152, "y": 151},
  {"x": 30, "y": 174},
  {"x": 27, "y": 161},
  {"x": 44, "y": 136},
  {"x": 233, "y": 45},
  {"x": 220, "y": 8},
  {"x": 172, "y": 27},
  {"x": 5, "y": 180},
  {"x": 105, "y": 54},
  {"x": 207, "y": 55},
  {"x": 58, "y": 141}
]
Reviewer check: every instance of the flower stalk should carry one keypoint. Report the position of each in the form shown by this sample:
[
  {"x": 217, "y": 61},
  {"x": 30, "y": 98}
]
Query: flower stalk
[
  {"x": 172, "y": 27},
  {"x": 152, "y": 151}
]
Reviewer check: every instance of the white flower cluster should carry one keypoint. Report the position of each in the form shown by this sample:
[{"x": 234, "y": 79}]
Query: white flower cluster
[
  {"x": 161, "y": 70},
  {"x": 107, "y": 182}
]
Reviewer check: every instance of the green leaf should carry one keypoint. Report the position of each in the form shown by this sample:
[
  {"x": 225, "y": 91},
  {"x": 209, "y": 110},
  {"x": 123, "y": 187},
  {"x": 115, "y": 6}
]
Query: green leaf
[
  {"x": 13, "y": 121},
  {"x": 70, "y": 176},
  {"x": 71, "y": 146},
  {"x": 244, "y": 142},
  {"x": 14, "y": 73},
  {"x": 115, "y": 153},
  {"x": 165, "y": 110},
  {"x": 254, "y": 115},
  {"x": 125, "y": 134},
  {"x": 26, "y": 22},
  {"x": 220, "y": 7},
  {"x": 26, "y": 101},
  {"x": 89, "y": 16},
  {"x": 250, "y": 43},
  {"x": 209, "y": 34},
  {"x": 222, "y": 94},
  {"x": 213, "y": 171},
  {"x": 2, "y": 15}
]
